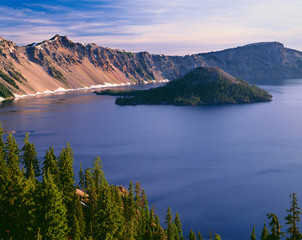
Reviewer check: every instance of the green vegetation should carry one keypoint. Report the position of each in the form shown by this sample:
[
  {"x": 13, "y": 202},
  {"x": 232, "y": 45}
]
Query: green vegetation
[
  {"x": 57, "y": 75},
  {"x": 52, "y": 208},
  {"x": 5, "y": 92},
  {"x": 202, "y": 86},
  {"x": 8, "y": 79},
  {"x": 17, "y": 75}
]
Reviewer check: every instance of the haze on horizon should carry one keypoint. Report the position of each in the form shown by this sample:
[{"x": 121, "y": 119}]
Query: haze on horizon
[{"x": 175, "y": 27}]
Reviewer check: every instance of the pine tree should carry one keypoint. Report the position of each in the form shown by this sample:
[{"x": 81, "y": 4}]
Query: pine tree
[
  {"x": 67, "y": 184},
  {"x": 15, "y": 185},
  {"x": 169, "y": 230},
  {"x": 192, "y": 235},
  {"x": 52, "y": 210},
  {"x": 199, "y": 236},
  {"x": 81, "y": 177},
  {"x": 159, "y": 233},
  {"x": 28, "y": 209},
  {"x": 293, "y": 219},
  {"x": 144, "y": 227},
  {"x": 276, "y": 232},
  {"x": 253, "y": 235},
  {"x": 178, "y": 225},
  {"x": 90, "y": 210},
  {"x": 78, "y": 228},
  {"x": 29, "y": 157},
  {"x": 109, "y": 222},
  {"x": 51, "y": 164},
  {"x": 98, "y": 174},
  {"x": 130, "y": 214},
  {"x": 12, "y": 153},
  {"x": 217, "y": 237},
  {"x": 264, "y": 233},
  {"x": 4, "y": 186}
]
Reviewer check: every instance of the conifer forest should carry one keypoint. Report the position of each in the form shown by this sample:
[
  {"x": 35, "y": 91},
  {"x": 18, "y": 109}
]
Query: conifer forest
[{"x": 42, "y": 201}]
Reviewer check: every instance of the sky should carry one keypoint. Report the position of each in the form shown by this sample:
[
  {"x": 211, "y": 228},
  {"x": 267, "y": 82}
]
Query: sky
[{"x": 174, "y": 27}]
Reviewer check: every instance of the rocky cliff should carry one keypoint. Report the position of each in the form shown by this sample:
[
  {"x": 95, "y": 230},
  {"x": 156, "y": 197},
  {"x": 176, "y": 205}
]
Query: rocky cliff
[{"x": 61, "y": 63}]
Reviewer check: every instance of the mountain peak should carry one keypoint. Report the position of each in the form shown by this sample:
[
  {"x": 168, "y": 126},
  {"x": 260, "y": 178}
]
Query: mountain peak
[
  {"x": 259, "y": 44},
  {"x": 55, "y": 37}
]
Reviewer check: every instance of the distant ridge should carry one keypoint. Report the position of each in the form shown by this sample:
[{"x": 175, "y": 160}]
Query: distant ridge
[{"x": 59, "y": 63}]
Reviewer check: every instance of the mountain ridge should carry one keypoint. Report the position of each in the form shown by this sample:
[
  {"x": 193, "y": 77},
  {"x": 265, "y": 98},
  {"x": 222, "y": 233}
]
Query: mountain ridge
[{"x": 62, "y": 63}]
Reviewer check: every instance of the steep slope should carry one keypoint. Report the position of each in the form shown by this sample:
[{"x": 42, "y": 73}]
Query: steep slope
[
  {"x": 259, "y": 60},
  {"x": 61, "y": 63},
  {"x": 201, "y": 86}
]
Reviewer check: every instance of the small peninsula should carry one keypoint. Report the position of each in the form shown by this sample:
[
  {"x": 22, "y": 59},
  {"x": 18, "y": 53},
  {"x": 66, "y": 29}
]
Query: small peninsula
[{"x": 201, "y": 86}]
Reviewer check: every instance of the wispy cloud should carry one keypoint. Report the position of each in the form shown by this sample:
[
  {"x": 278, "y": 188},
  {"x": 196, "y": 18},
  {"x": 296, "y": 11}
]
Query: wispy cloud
[{"x": 173, "y": 27}]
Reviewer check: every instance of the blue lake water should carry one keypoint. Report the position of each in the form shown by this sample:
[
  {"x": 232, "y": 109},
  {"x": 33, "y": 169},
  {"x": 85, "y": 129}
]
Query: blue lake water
[{"x": 221, "y": 167}]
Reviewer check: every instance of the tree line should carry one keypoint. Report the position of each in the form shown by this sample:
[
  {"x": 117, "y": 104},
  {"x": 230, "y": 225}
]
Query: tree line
[
  {"x": 292, "y": 221},
  {"x": 42, "y": 201}
]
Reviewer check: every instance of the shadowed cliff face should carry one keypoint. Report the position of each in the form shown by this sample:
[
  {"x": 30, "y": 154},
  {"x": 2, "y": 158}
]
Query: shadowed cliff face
[{"x": 61, "y": 63}]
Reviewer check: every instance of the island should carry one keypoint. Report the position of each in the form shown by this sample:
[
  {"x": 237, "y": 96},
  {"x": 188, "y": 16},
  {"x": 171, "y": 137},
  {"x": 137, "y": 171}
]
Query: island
[{"x": 201, "y": 86}]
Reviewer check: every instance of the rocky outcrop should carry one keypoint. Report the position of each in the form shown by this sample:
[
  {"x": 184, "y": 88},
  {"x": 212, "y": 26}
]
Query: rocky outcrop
[{"x": 61, "y": 63}]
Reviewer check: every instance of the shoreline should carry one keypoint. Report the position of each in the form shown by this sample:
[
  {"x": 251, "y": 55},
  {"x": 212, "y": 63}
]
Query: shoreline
[{"x": 62, "y": 90}]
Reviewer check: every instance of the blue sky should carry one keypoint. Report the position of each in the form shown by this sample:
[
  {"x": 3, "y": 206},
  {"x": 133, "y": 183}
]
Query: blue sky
[{"x": 158, "y": 26}]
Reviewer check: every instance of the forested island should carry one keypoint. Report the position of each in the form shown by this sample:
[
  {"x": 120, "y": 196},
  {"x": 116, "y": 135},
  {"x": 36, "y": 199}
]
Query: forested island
[{"x": 201, "y": 86}]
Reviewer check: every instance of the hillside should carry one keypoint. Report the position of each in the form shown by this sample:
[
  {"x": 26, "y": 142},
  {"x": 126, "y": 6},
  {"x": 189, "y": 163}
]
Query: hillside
[
  {"x": 60, "y": 63},
  {"x": 264, "y": 60},
  {"x": 201, "y": 86}
]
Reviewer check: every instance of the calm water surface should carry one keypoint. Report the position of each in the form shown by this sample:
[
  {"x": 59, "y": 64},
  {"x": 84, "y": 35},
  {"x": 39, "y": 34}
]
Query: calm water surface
[{"x": 221, "y": 167}]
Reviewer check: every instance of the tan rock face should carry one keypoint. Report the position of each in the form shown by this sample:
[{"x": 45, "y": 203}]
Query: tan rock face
[{"x": 59, "y": 62}]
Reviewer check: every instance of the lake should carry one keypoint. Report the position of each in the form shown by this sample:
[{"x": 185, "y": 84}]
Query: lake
[{"x": 221, "y": 167}]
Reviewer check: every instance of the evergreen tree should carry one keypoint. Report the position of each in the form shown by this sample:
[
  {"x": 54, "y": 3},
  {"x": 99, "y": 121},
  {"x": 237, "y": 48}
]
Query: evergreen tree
[
  {"x": 109, "y": 222},
  {"x": 81, "y": 177},
  {"x": 29, "y": 157},
  {"x": 293, "y": 219},
  {"x": 98, "y": 174},
  {"x": 67, "y": 184},
  {"x": 130, "y": 214},
  {"x": 178, "y": 225},
  {"x": 264, "y": 233},
  {"x": 253, "y": 235},
  {"x": 192, "y": 235},
  {"x": 15, "y": 184},
  {"x": 159, "y": 233},
  {"x": 51, "y": 164},
  {"x": 12, "y": 153},
  {"x": 90, "y": 210},
  {"x": 78, "y": 228},
  {"x": 217, "y": 237},
  {"x": 144, "y": 227},
  {"x": 199, "y": 236},
  {"x": 169, "y": 230},
  {"x": 28, "y": 209},
  {"x": 52, "y": 211},
  {"x": 4, "y": 189},
  {"x": 276, "y": 232}
]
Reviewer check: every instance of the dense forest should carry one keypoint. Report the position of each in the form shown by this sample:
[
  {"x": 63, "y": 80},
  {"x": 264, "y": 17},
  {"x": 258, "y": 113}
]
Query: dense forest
[
  {"x": 202, "y": 86},
  {"x": 43, "y": 202}
]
